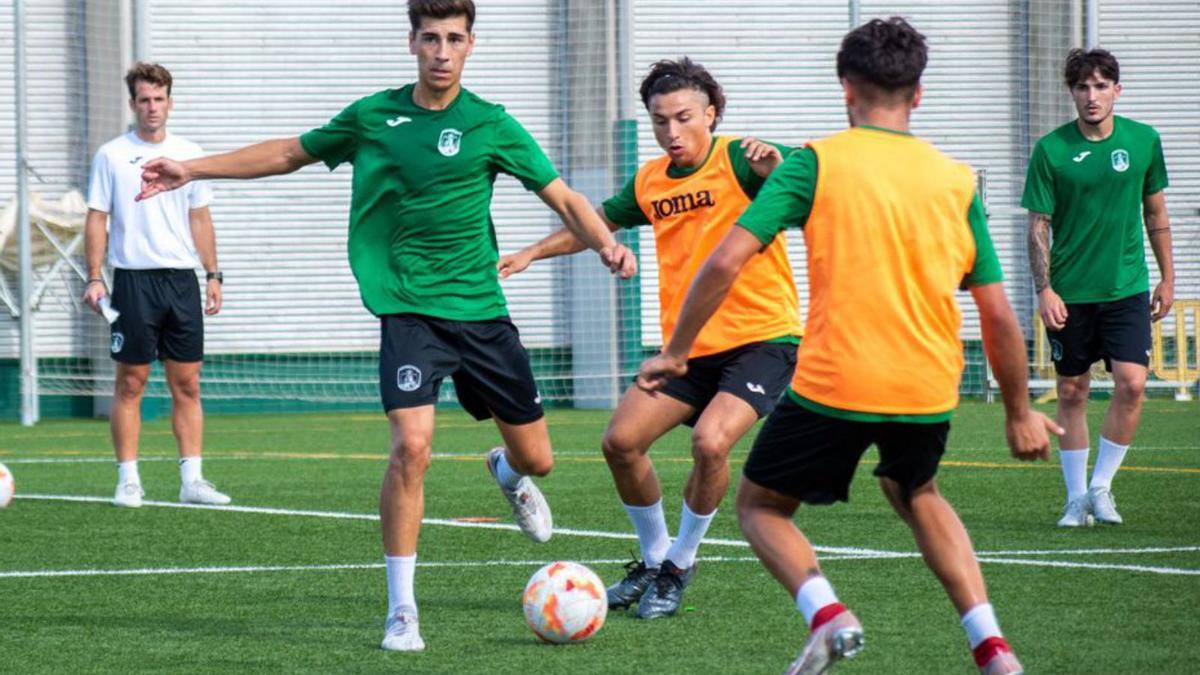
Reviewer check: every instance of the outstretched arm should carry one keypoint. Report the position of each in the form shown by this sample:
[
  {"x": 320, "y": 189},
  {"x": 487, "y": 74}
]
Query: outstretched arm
[
  {"x": 1004, "y": 344},
  {"x": 581, "y": 219},
  {"x": 708, "y": 290},
  {"x": 269, "y": 158},
  {"x": 559, "y": 242},
  {"x": 1158, "y": 229}
]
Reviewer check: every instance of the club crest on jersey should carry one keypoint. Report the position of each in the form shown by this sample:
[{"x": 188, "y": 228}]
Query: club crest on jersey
[
  {"x": 118, "y": 341},
  {"x": 1120, "y": 161},
  {"x": 448, "y": 142},
  {"x": 408, "y": 378}
]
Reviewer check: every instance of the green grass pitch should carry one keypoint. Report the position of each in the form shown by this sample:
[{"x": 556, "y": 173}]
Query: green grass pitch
[{"x": 294, "y": 583}]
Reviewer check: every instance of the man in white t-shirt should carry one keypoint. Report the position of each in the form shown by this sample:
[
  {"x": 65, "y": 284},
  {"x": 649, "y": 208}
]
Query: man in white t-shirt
[{"x": 154, "y": 248}]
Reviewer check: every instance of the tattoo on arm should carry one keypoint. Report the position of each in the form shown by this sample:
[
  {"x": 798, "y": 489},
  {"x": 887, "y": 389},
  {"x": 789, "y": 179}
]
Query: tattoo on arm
[{"x": 1039, "y": 251}]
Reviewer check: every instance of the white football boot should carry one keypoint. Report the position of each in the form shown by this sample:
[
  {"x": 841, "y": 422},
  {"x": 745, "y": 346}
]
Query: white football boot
[
  {"x": 129, "y": 495},
  {"x": 402, "y": 632},
  {"x": 529, "y": 507},
  {"x": 1104, "y": 506},
  {"x": 1077, "y": 512},
  {"x": 202, "y": 492},
  {"x": 839, "y": 638}
]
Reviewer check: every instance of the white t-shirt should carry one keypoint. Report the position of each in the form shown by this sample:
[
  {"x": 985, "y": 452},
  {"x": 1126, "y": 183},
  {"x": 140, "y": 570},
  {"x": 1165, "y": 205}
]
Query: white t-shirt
[{"x": 151, "y": 234}]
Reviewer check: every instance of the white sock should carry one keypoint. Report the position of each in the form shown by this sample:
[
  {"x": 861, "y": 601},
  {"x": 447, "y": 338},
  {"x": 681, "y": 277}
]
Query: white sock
[
  {"x": 505, "y": 475},
  {"x": 691, "y": 530},
  {"x": 1108, "y": 460},
  {"x": 400, "y": 569},
  {"x": 189, "y": 470},
  {"x": 813, "y": 595},
  {"x": 651, "y": 528},
  {"x": 127, "y": 472},
  {"x": 1074, "y": 469},
  {"x": 980, "y": 624}
]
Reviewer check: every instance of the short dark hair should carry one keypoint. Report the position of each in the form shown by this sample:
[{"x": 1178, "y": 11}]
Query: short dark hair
[
  {"x": 887, "y": 55},
  {"x": 668, "y": 76},
  {"x": 1081, "y": 64},
  {"x": 151, "y": 73},
  {"x": 440, "y": 9}
]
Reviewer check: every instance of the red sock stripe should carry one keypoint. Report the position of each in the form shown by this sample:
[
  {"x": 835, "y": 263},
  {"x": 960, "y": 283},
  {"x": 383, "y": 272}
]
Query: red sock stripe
[
  {"x": 826, "y": 613},
  {"x": 988, "y": 649}
]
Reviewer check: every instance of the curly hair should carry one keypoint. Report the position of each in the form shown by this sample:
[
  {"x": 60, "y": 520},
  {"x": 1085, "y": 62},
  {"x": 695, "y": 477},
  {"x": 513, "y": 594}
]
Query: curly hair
[
  {"x": 888, "y": 55},
  {"x": 668, "y": 76},
  {"x": 151, "y": 73},
  {"x": 1081, "y": 64}
]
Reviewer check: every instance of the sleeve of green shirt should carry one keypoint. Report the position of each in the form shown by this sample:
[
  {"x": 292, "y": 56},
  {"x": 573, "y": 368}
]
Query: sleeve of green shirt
[
  {"x": 623, "y": 209},
  {"x": 1039, "y": 183},
  {"x": 751, "y": 182},
  {"x": 786, "y": 198},
  {"x": 1156, "y": 177},
  {"x": 519, "y": 156},
  {"x": 337, "y": 141},
  {"x": 986, "y": 269}
]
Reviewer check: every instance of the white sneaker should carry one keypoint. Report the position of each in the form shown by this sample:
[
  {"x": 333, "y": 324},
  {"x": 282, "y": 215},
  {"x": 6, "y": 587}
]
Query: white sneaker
[
  {"x": 1077, "y": 512},
  {"x": 129, "y": 495},
  {"x": 402, "y": 632},
  {"x": 839, "y": 638},
  {"x": 1104, "y": 506},
  {"x": 529, "y": 506},
  {"x": 202, "y": 492},
  {"x": 1003, "y": 663}
]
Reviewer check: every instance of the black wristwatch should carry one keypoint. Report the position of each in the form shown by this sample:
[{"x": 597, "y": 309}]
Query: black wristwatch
[{"x": 218, "y": 276}]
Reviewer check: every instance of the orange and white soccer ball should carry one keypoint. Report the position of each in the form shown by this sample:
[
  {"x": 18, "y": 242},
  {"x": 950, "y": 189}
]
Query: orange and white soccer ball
[
  {"x": 6, "y": 486},
  {"x": 565, "y": 602}
]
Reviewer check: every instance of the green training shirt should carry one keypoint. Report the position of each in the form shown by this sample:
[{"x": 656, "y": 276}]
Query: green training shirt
[
  {"x": 421, "y": 233},
  {"x": 787, "y": 201},
  {"x": 1093, "y": 192}
]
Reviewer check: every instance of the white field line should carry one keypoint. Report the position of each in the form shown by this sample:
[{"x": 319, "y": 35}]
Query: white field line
[{"x": 848, "y": 552}]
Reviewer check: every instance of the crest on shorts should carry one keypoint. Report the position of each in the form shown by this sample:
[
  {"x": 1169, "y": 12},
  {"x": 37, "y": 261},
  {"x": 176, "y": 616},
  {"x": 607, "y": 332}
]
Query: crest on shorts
[
  {"x": 1120, "y": 161},
  {"x": 118, "y": 341},
  {"x": 448, "y": 142},
  {"x": 408, "y": 378},
  {"x": 1056, "y": 350}
]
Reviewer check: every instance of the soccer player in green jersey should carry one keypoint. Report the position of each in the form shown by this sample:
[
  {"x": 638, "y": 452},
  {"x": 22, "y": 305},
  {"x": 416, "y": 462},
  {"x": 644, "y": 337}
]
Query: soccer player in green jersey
[
  {"x": 1093, "y": 182},
  {"x": 423, "y": 249}
]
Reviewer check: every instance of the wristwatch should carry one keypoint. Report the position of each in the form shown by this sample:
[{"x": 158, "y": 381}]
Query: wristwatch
[{"x": 218, "y": 276}]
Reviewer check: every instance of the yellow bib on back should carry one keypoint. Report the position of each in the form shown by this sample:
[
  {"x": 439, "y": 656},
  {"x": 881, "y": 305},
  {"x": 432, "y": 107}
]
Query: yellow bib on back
[{"x": 888, "y": 244}]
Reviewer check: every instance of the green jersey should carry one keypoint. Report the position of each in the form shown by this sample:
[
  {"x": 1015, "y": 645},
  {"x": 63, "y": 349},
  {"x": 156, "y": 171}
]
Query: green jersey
[
  {"x": 1093, "y": 192},
  {"x": 421, "y": 233},
  {"x": 623, "y": 209}
]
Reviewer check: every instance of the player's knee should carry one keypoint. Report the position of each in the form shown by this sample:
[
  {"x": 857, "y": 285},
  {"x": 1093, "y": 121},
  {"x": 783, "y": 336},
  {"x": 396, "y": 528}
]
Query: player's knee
[
  {"x": 186, "y": 388},
  {"x": 130, "y": 387},
  {"x": 618, "y": 447},
  {"x": 1072, "y": 393},
  {"x": 710, "y": 447},
  {"x": 1129, "y": 388},
  {"x": 411, "y": 453}
]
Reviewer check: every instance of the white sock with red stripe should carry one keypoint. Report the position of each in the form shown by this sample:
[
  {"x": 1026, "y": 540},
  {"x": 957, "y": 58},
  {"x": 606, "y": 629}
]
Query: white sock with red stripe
[
  {"x": 983, "y": 633},
  {"x": 817, "y": 602}
]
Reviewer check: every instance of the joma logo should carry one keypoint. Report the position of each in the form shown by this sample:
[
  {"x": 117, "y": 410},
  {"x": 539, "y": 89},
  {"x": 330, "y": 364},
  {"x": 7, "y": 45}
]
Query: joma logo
[{"x": 664, "y": 208}]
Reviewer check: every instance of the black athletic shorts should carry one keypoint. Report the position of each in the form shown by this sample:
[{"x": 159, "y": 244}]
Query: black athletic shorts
[
  {"x": 1113, "y": 331},
  {"x": 162, "y": 316},
  {"x": 757, "y": 373},
  {"x": 812, "y": 457},
  {"x": 486, "y": 360}
]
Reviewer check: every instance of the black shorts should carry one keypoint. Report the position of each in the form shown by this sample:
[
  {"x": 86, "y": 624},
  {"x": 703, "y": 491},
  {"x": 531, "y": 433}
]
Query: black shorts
[
  {"x": 162, "y": 316},
  {"x": 1113, "y": 331},
  {"x": 486, "y": 360},
  {"x": 812, "y": 457},
  {"x": 757, "y": 373}
]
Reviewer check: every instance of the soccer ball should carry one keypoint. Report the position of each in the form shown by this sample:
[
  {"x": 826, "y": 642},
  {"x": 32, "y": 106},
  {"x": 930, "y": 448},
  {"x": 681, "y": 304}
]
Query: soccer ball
[
  {"x": 565, "y": 602},
  {"x": 6, "y": 486}
]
